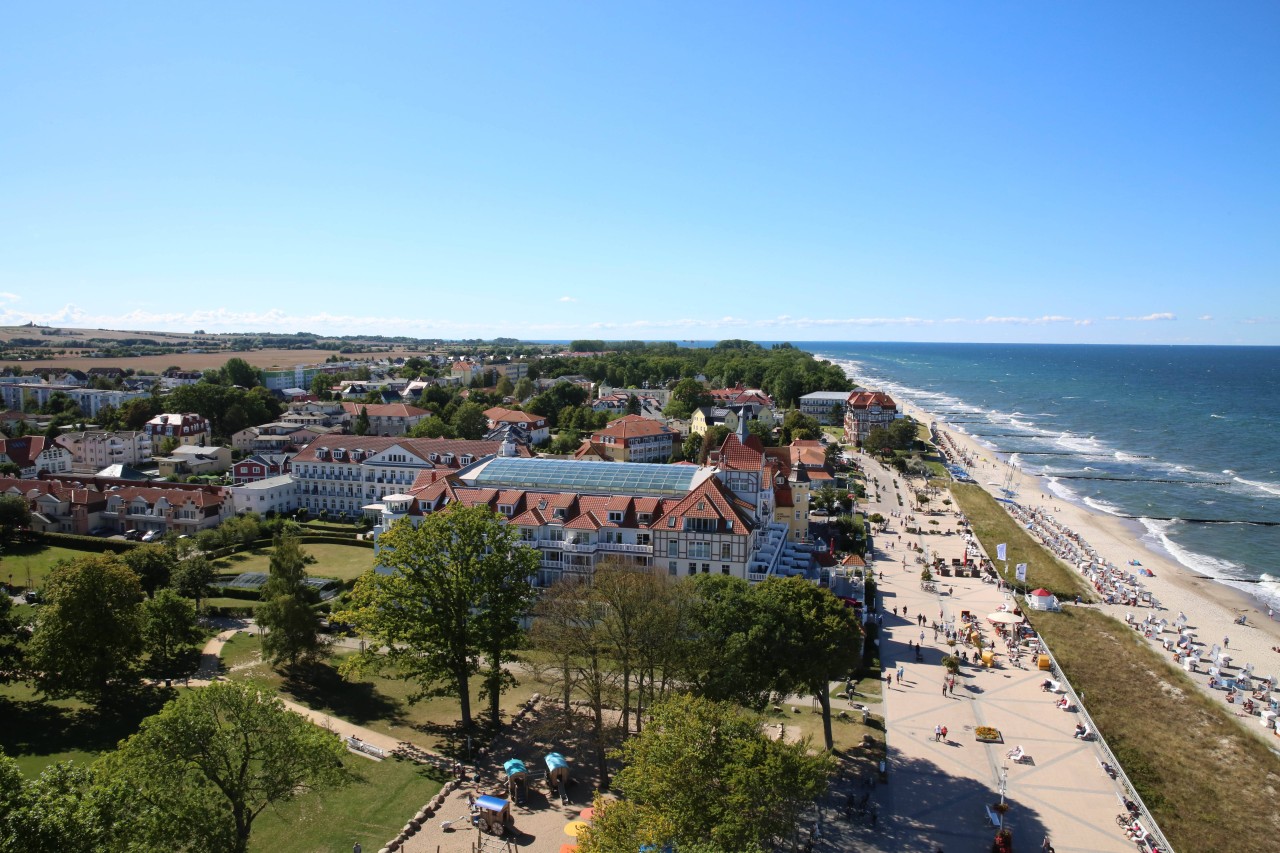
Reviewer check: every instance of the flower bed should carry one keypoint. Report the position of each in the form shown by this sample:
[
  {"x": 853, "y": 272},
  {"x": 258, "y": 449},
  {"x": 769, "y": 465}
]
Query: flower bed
[{"x": 986, "y": 734}]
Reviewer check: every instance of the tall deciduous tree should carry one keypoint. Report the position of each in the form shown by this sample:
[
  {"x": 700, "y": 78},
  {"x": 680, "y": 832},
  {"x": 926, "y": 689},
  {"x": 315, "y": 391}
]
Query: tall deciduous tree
[
  {"x": 469, "y": 421},
  {"x": 13, "y": 640},
  {"x": 456, "y": 586},
  {"x": 15, "y": 516},
  {"x": 56, "y": 812},
  {"x": 197, "y": 774},
  {"x": 169, "y": 631},
  {"x": 153, "y": 564},
  {"x": 712, "y": 778},
  {"x": 815, "y": 638},
  {"x": 293, "y": 627},
  {"x": 192, "y": 577},
  {"x": 89, "y": 634}
]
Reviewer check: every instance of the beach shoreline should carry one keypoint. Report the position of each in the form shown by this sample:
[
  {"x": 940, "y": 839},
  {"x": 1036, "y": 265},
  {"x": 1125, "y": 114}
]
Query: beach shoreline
[{"x": 1210, "y": 605}]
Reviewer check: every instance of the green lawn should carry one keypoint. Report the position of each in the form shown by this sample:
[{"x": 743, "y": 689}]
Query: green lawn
[
  {"x": 377, "y": 702},
  {"x": 370, "y": 810},
  {"x": 344, "y": 562},
  {"x": 22, "y": 557},
  {"x": 38, "y": 732}
]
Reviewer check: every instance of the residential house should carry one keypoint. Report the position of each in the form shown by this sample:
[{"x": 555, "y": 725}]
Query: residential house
[
  {"x": 277, "y": 495},
  {"x": 634, "y": 438},
  {"x": 191, "y": 460},
  {"x": 865, "y": 411},
  {"x": 164, "y": 509},
  {"x": 827, "y": 407},
  {"x": 260, "y": 466},
  {"x": 387, "y": 419},
  {"x": 341, "y": 474},
  {"x": 57, "y": 507},
  {"x": 92, "y": 450},
  {"x": 534, "y": 425},
  {"x": 187, "y": 429},
  {"x": 35, "y": 454}
]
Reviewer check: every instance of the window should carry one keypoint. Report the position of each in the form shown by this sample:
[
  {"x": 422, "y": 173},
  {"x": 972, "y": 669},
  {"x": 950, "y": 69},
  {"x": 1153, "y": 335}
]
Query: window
[
  {"x": 700, "y": 550},
  {"x": 724, "y": 570},
  {"x": 671, "y": 567},
  {"x": 673, "y": 548},
  {"x": 693, "y": 568},
  {"x": 706, "y": 568},
  {"x": 615, "y": 516},
  {"x": 726, "y": 550},
  {"x": 671, "y": 521}
]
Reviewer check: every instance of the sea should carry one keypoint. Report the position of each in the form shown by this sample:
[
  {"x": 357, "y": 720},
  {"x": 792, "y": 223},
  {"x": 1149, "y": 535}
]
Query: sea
[{"x": 1179, "y": 440}]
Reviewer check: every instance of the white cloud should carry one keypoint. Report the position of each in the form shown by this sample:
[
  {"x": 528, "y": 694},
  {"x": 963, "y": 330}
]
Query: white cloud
[
  {"x": 567, "y": 299},
  {"x": 1026, "y": 321},
  {"x": 1153, "y": 317},
  {"x": 5, "y": 296},
  {"x": 1205, "y": 317}
]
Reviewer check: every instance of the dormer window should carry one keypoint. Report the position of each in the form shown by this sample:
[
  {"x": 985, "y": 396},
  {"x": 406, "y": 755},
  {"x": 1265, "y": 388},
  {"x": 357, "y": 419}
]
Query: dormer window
[
  {"x": 506, "y": 509},
  {"x": 615, "y": 516},
  {"x": 464, "y": 460},
  {"x": 559, "y": 513},
  {"x": 644, "y": 517},
  {"x": 434, "y": 457}
]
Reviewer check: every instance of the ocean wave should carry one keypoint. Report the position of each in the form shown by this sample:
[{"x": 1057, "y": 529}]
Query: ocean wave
[
  {"x": 1269, "y": 488},
  {"x": 1103, "y": 506},
  {"x": 1158, "y": 533},
  {"x": 1220, "y": 417}
]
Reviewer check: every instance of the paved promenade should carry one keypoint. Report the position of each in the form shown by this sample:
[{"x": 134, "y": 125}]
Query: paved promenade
[{"x": 937, "y": 792}]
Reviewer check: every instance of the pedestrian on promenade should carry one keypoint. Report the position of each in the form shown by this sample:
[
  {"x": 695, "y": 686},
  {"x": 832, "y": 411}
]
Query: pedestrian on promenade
[
  {"x": 937, "y": 733},
  {"x": 922, "y": 636},
  {"x": 895, "y": 610},
  {"x": 901, "y": 672},
  {"x": 944, "y": 688},
  {"x": 944, "y": 734},
  {"x": 904, "y": 611}
]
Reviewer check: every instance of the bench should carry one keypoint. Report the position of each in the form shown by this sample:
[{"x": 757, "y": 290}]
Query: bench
[{"x": 354, "y": 743}]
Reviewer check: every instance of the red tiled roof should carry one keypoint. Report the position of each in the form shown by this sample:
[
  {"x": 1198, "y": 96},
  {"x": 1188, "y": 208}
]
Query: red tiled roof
[
  {"x": 23, "y": 451},
  {"x": 711, "y": 499},
  {"x": 865, "y": 399},
  {"x": 385, "y": 410},
  {"x": 498, "y": 414},
  {"x": 734, "y": 455},
  {"x": 632, "y": 426},
  {"x": 420, "y": 447}
]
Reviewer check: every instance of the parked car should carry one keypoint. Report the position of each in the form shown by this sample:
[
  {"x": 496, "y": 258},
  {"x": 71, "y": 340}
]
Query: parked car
[
  {"x": 133, "y": 535},
  {"x": 150, "y": 535}
]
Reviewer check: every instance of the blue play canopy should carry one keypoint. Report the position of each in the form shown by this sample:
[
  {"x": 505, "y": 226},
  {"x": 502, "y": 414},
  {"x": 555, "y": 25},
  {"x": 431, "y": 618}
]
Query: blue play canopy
[{"x": 555, "y": 761}]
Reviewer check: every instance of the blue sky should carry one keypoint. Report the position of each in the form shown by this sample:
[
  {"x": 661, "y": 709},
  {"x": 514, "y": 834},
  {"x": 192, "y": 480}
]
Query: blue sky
[{"x": 1071, "y": 172}]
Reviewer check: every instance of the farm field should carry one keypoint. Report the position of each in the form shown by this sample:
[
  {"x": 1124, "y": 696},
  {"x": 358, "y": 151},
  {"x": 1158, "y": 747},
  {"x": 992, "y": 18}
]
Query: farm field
[{"x": 265, "y": 358}]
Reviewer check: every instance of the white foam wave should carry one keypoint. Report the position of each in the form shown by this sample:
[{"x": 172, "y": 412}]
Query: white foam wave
[
  {"x": 1103, "y": 507},
  {"x": 1269, "y": 488},
  {"x": 1214, "y": 567}
]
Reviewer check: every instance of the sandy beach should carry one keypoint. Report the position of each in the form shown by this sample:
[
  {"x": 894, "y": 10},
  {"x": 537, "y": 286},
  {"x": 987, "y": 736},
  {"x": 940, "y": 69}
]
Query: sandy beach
[{"x": 1210, "y": 607}]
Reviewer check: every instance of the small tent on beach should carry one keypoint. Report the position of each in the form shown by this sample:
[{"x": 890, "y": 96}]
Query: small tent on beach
[{"x": 1042, "y": 599}]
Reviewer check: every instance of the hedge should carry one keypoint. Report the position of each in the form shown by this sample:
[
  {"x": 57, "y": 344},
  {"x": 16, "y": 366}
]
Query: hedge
[{"x": 76, "y": 542}]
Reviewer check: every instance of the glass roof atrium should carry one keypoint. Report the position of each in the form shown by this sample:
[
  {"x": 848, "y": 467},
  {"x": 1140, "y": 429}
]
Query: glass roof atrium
[{"x": 592, "y": 478}]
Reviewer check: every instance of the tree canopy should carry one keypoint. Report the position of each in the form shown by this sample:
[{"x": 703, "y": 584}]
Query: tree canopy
[
  {"x": 293, "y": 627},
  {"x": 705, "y": 776},
  {"x": 199, "y": 773},
  {"x": 89, "y": 633},
  {"x": 456, "y": 586}
]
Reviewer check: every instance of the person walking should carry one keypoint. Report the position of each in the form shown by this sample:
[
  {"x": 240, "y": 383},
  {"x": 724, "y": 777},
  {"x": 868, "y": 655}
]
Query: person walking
[
  {"x": 901, "y": 672},
  {"x": 937, "y": 733},
  {"x": 944, "y": 734}
]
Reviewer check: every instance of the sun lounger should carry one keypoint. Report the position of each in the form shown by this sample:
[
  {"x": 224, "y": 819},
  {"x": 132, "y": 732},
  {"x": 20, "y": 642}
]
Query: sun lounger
[
  {"x": 993, "y": 817},
  {"x": 1015, "y": 754}
]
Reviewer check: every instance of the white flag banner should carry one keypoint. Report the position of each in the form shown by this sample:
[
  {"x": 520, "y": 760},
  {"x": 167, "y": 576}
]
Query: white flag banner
[
  {"x": 1000, "y": 553},
  {"x": 1021, "y": 572}
]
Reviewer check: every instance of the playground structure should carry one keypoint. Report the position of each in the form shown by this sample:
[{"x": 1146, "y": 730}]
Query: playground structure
[
  {"x": 493, "y": 815},
  {"x": 517, "y": 780},
  {"x": 558, "y": 776}
]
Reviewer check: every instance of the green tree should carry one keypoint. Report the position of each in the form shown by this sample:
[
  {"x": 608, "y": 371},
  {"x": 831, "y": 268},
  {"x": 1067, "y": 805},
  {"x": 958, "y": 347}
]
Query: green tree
[
  {"x": 687, "y": 395},
  {"x": 814, "y": 639},
  {"x": 752, "y": 791},
  {"x": 197, "y": 774},
  {"x": 56, "y": 812},
  {"x": 524, "y": 389},
  {"x": 237, "y": 371},
  {"x": 469, "y": 421},
  {"x": 89, "y": 633},
  {"x": 361, "y": 425},
  {"x": 15, "y": 516},
  {"x": 432, "y": 427},
  {"x": 169, "y": 632},
  {"x": 799, "y": 426},
  {"x": 736, "y": 663},
  {"x": 457, "y": 584},
  {"x": 692, "y": 447},
  {"x": 192, "y": 577},
  {"x": 153, "y": 564},
  {"x": 633, "y": 405},
  {"x": 293, "y": 627},
  {"x": 13, "y": 640},
  {"x": 504, "y": 388}
]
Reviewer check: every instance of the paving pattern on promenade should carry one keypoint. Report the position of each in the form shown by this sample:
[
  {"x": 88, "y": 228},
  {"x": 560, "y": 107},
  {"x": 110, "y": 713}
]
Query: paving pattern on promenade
[{"x": 937, "y": 792}]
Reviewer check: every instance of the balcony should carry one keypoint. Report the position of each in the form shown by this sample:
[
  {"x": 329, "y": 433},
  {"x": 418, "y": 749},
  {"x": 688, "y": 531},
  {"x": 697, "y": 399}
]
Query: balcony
[{"x": 626, "y": 548}]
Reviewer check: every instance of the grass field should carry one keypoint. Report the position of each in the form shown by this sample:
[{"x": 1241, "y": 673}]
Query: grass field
[
  {"x": 344, "y": 562},
  {"x": 370, "y": 810},
  {"x": 993, "y": 525},
  {"x": 23, "y": 557},
  {"x": 377, "y": 702},
  {"x": 1199, "y": 771},
  {"x": 38, "y": 732}
]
